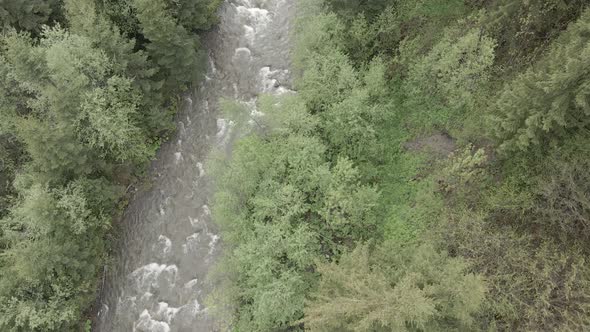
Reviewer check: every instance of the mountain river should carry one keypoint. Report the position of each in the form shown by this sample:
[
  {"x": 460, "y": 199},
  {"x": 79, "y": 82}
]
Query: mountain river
[{"x": 168, "y": 242}]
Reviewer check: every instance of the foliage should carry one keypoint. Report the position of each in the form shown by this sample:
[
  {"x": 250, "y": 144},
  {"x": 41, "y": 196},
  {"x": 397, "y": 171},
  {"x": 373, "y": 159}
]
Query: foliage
[
  {"x": 123, "y": 15},
  {"x": 126, "y": 61},
  {"x": 409, "y": 290},
  {"x": 370, "y": 77},
  {"x": 564, "y": 204},
  {"x": 327, "y": 79},
  {"x": 324, "y": 208},
  {"x": 524, "y": 28},
  {"x": 349, "y": 124},
  {"x": 351, "y": 7},
  {"x": 28, "y": 15},
  {"x": 549, "y": 192},
  {"x": 455, "y": 68},
  {"x": 192, "y": 15},
  {"x": 195, "y": 15},
  {"x": 44, "y": 280},
  {"x": 11, "y": 157},
  {"x": 171, "y": 48},
  {"x": 534, "y": 284},
  {"x": 463, "y": 169},
  {"x": 279, "y": 189},
  {"x": 365, "y": 38},
  {"x": 79, "y": 107},
  {"x": 74, "y": 119},
  {"x": 549, "y": 100}
]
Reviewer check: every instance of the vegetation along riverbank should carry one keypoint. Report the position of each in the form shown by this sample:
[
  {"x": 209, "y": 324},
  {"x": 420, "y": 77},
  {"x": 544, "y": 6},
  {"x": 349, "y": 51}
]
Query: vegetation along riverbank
[
  {"x": 88, "y": 91},
  {"x": 430, "y": 174}
]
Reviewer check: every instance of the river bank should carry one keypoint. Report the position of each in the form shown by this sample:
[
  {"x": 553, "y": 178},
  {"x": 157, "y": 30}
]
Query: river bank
[{"x": 159, "y": 281}]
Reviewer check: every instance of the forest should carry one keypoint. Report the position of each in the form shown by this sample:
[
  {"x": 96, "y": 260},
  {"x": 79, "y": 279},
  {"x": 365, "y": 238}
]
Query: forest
[
  {"x": 88, "y": 90},
  {"x": 429, "y": 174}
]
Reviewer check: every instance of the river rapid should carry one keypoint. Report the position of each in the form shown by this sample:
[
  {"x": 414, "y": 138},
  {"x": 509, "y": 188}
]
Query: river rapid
[{"x": 168, "y": 242}]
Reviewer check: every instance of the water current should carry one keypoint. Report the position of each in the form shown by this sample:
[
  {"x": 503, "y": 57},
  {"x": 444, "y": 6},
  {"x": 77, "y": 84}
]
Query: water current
[{"x": 169, "y": 243}]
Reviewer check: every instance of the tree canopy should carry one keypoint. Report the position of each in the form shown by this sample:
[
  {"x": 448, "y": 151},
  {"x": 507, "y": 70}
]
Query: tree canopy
[
  {"x": 427, "y": 176},
  {"x": 83, "y": 103}
]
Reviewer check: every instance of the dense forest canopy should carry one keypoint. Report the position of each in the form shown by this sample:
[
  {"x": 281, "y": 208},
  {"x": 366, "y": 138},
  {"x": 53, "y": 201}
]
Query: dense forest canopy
[
  {"x": 88, "y": 90},
  {"x": 430, "y": 173}
]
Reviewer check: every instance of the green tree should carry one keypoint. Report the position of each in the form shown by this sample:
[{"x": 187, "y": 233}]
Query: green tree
[
  {"x": 455, "y": 68},
  {"x": 28, "y": 15},
  {"x": 562, "y": 189},
  {"x": 365, "y": 37},
  {"x": 352, "y": 7},
  {"x": 123, "y": 15},
  {"x": 349, "y": 207},
  {"x": 56, "y": 153},
  {"x": 550, "y": 99},
  {"x": 195, "y": 15},
  {"x": 11, "y": 158},
  {"x": 53, "y": 239},
  {"x": 328, "y": 79},
  {"x": 279, "y": 190},
  {"x": 317, "y": 33},
  {"x": 172, "y": 49},
  {"x": 126, "y": 61},
  {"x": 79, "y": 106},
  {"x": 412, "y": 289},
  {"x": 524, "y": 28},
  {"x": 75, "y": 105},
  {"x": 267, "y": 275},
  {"x": 108, "y": 122},
  {"x": 534, "y": 283},
  {"x": 349, "y": 127}
]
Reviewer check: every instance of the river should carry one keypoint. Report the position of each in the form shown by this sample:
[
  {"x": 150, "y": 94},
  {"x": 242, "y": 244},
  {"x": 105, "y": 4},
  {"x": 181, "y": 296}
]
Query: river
[{"x": 168, "y": 242}]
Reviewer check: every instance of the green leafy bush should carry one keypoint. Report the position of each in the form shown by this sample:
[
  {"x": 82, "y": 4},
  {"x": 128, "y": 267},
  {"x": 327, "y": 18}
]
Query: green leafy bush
[{"x": 280, "y": 189}]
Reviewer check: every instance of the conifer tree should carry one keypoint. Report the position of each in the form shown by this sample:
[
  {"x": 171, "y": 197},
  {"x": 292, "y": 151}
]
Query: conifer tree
[
  {"x": 52, "y": 243},
  {"x": 126, "y": 60},
  {"x": 455, "y": 68},
  {"x": 123, "y": 15},
  {"x": 351, "y": 7},
  {"x": 75, "y": 105},
  {"x": 171, "y": 47},
  {"x": 195, "y": 15},
  {"x": 282, "y": 205},
  {"x": 412, "y": 289},
  {"x": 551, "y": 98},
  {"x": 523, "y": 27},
  {"x": 28, "y": 15}
]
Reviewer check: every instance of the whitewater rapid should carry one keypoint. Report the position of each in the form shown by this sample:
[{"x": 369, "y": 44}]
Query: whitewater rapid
[{"x": 168, "y": 242}]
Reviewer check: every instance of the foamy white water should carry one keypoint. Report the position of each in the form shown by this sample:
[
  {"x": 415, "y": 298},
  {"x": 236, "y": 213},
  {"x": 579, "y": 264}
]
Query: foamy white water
[{"x": 168, "y": 240}]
